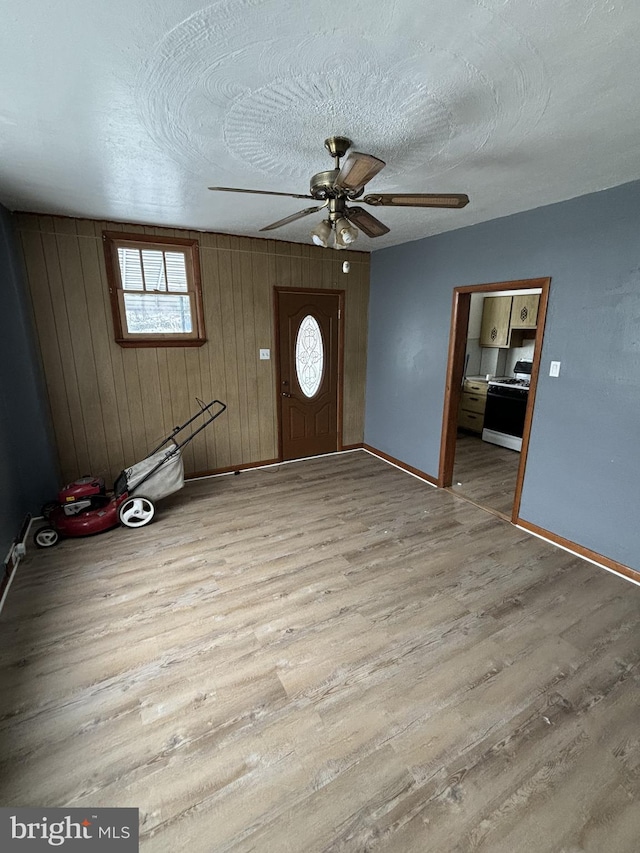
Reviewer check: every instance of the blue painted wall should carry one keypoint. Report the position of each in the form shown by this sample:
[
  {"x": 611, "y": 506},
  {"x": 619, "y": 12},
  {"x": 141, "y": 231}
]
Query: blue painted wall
[
  {"x": 28, "y": 472},
  {"x": 583, "y": 471}
]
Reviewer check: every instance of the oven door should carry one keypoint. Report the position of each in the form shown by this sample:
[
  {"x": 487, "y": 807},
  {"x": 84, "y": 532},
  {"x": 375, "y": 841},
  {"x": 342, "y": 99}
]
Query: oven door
[{"x": 504, "y": 416}]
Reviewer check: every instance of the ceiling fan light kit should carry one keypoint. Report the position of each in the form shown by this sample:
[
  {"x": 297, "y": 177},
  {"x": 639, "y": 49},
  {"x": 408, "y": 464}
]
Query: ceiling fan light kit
[
  {"x": 321, "y": 234},
  {"x": 335, "y": 187},
  {"x": 345, "y": 232}
]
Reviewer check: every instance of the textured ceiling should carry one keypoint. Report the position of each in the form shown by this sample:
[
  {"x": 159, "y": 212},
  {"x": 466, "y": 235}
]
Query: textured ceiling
[{"x": 128, "y": 111}]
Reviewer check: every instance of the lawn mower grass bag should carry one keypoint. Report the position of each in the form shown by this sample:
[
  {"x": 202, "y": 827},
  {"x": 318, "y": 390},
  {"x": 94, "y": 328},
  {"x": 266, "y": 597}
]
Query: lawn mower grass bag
[{"x": 158, "y": 475}]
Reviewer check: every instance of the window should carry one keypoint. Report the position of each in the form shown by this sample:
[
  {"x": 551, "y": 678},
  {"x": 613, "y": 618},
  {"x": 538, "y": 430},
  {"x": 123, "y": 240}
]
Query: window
[
  {"x": 309, "y": 356},
  {"x": 154, "y": 284}
]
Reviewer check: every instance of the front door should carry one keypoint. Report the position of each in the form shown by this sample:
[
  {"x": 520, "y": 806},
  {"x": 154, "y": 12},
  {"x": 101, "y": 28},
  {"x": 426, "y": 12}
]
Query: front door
[{"x": 309, "y": 371}]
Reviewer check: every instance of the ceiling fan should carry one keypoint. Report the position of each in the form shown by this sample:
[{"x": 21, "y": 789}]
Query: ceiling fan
[{"x": 345, "y": 183}]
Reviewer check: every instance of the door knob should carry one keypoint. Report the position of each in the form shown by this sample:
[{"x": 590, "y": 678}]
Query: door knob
[{"x": 284, "y": 394}]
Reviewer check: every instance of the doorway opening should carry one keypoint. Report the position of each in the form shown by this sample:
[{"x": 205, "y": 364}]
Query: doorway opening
[
  {"x": 309, "y": 347},
  {"x": 490, "y": 391}
]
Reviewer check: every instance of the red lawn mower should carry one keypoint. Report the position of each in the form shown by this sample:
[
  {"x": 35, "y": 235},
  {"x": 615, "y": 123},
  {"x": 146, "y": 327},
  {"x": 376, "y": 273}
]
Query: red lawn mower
[{"x": 84, "y": 506}]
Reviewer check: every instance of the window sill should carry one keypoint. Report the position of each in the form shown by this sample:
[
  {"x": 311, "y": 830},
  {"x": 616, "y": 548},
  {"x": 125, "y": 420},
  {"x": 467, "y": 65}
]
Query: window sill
[{"x": 152, "y": 343}]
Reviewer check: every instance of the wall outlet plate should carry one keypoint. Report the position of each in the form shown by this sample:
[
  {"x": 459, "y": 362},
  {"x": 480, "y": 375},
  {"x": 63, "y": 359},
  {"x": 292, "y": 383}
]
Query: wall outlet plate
[
  {"x": 554, "y": 368},
  {"x": 265, "y": 354}
]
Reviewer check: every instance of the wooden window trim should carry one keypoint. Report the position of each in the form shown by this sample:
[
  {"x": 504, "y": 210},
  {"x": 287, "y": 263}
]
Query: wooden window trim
[{"x": 111, "y": 241}]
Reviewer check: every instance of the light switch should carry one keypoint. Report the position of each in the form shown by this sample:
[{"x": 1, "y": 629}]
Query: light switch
[
  {"x": 265, "y": 354},
  {"x": 554, "y": 368}
]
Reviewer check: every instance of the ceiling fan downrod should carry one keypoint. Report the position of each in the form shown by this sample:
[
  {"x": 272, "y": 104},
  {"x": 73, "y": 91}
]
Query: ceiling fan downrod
[{"x": 337, "y": 146}]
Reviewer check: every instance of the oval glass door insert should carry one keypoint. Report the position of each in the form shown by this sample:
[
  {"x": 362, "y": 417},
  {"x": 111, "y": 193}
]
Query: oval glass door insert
[{"x": 309, "y": 356}]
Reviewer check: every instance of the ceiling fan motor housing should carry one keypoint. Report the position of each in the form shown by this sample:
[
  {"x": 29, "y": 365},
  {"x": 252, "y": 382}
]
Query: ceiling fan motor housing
[{"x": 323, "y": 186}]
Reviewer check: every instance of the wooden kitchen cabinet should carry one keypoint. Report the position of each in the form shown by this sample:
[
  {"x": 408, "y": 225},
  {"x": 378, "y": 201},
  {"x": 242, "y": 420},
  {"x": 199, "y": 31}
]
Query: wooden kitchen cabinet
[
  {"x": 472, "y": 405},
  {"x": 472, "y": 421},
  {"x": 475, "y": 386},
  {"x": 503, "y": 315},
  {"x": 496, "y": 314},
  {"x": 473, "y": 402},
  {"x": 524, "y": 311}
]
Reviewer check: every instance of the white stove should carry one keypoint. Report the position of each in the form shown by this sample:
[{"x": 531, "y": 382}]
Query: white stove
[
  {"x": 506, "y": 407},
  {"x": 509, "y": 382},
  {"x": 520, "y": 379}
]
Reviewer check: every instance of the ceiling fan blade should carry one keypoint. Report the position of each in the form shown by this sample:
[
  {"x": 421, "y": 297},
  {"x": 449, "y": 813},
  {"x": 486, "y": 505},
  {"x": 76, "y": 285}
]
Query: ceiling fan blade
[
  {"x": 292, "y": 218},
  {"x": 256, "y": 192},
  {"x": 367, "y": 223},
  {"x": 455, "y": 200},
  {"x": 357, "y": 170}
]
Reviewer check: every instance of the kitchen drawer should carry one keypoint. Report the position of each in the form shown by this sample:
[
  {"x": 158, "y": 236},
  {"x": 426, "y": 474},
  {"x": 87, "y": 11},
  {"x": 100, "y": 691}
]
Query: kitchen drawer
[
  {"x": 470, "y": 420},
  {"x": 473, "y": 402},
  {"x": 475, "y": 387}
]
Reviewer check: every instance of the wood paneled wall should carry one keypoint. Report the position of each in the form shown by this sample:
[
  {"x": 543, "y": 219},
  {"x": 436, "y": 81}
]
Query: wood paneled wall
[{"x": 111, "y": 405}]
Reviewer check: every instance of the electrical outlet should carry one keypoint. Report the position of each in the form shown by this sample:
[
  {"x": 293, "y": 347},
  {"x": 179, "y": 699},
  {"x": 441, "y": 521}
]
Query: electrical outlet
[
  {"x": 554, "y": 368},
  {"x": 265, "y": 354}
]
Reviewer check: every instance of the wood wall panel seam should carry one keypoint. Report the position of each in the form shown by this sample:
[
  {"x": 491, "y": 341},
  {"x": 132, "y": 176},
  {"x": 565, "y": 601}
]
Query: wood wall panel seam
[{"x": 49, "y": 349}]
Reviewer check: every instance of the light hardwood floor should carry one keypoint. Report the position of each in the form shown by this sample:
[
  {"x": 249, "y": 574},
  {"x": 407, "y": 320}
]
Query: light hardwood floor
[
  {"x": 485, "y": 473},
  {"x": 326, "y": 656}
]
